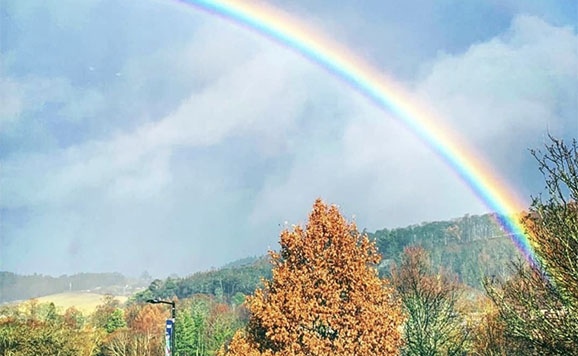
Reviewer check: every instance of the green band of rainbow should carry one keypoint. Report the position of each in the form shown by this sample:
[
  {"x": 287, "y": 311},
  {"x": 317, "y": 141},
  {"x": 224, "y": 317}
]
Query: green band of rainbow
[{"x": 384, "y": 92}]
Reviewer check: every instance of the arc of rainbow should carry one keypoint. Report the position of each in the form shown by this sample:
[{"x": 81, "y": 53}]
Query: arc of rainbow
[{"x": 422, "y": 121}]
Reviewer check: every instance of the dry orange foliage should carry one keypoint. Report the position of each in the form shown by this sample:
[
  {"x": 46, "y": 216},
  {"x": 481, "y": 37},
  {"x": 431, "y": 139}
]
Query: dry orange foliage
[
  {"x": 143, "y": 336},
  {"x": 325, "y": 297},
  {"x": 489, "y": 334},
  {"x": 149, "y": 319}
]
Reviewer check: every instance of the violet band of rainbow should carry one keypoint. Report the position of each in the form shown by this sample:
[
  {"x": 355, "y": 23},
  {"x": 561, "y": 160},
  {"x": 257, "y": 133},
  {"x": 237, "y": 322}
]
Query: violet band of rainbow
[{"x": 488, "y": 187}]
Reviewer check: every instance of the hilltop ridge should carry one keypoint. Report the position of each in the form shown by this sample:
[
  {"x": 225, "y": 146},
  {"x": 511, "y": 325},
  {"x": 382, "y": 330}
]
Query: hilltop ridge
[{"x": 471, "y": 246}]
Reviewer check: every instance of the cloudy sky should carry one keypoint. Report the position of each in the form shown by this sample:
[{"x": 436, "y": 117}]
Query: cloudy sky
[{"x": 146, "y": 135}]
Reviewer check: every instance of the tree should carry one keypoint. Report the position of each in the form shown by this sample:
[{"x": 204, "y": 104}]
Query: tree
[
  {"x": 325, "y": 296},
  {"x": 115, "y": 321},
  {"x": 19, "y": 338},
  {"x": 488, "y": 336},
  {"x": 538, "y": 307},
  {"x": 204, "y": 325},
  {"x": 103, "y": 312},
  {"x": 73, "y": 318},
  {"x": 47, "y": 312},
  {"x": 141, "y": 334},
  {"x": 223, "y": 322},
  {"x": 553, "y": 222},
  {"x": 44, "y": 332},
  {"x": 118, "y": 343},
  {"x": 434, "y": 326},
  {"x": 186, "y": 337},
  {"x": 147, "y": 330},
  {"x": 534, "y": 317}
]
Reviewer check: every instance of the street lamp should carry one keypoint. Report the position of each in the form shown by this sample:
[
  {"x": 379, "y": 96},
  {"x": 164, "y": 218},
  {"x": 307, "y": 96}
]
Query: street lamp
[
  {"x": 170, "y": 331},
  {"x": 171, "y": 303}
]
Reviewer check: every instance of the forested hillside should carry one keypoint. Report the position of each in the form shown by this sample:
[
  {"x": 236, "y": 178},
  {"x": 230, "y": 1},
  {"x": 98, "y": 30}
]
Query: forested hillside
[
  {"x": 470, "y": 246},
  {"x": 235, "y": 279}
]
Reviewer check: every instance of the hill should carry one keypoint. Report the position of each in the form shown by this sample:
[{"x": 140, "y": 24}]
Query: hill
[
  {"x": 234, "y": 279},
  {"x": 471, "y": 246},
  {"x": 22, "y": 287}
]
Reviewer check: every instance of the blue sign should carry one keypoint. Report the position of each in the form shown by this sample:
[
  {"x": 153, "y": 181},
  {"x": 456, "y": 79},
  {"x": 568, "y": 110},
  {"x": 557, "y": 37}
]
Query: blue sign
[{"x": 169, "y": 334}]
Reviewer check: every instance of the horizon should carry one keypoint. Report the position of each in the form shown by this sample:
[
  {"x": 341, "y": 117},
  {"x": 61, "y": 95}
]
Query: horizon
[{"x": 225, "y": 265}]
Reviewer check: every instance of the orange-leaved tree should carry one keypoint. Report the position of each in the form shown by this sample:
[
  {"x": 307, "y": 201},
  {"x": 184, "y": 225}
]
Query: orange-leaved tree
[{"x": 325, "y": 297}]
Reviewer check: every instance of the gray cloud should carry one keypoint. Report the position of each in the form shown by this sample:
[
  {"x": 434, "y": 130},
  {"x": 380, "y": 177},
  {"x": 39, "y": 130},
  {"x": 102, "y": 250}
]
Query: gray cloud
[
  {"x": 207, "y": 141},
  {"x": 504, "y": 95}
]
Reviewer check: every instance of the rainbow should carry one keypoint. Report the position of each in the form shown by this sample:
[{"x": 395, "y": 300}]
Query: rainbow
[{"x": 386, "y": 94}]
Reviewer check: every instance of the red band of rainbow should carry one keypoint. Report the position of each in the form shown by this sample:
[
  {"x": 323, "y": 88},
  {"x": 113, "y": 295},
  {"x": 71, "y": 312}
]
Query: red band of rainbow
[{"x": 387, "y": 95}]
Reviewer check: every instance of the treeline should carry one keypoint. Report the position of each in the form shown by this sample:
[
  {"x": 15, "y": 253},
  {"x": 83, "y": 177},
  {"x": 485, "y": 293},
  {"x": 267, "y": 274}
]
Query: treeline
[
  {"x": 471, "y": 247},
  {"x": 234, "y": 281},
  {"x": 19, "y": 287}
]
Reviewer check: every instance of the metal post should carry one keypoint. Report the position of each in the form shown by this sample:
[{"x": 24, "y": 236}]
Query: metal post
[
  {"x": 174, "y": 316},
  {"x": 169, "y": 337}
]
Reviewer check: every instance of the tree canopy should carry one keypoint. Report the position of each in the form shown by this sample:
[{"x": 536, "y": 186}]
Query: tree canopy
[{"x": 325, "y": 296}]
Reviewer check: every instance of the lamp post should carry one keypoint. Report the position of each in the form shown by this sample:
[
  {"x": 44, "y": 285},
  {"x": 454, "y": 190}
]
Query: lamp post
[{"x": 172, "y": 323}]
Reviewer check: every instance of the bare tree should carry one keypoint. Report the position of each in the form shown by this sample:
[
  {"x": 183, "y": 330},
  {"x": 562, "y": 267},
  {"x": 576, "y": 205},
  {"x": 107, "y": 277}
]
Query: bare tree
[
  {"x": 539, "y": 306},
  {"x": 434, "y": 326}
]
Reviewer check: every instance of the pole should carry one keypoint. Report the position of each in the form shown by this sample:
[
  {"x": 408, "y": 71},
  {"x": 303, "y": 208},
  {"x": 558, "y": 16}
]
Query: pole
[
  {"x": 174, "y": 317},
  {"x": 169, "y": 338}
]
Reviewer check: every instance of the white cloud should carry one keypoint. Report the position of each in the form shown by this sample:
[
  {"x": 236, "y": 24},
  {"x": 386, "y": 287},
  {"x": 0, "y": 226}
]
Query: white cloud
[
  {"x": 256, "y": 97},
  {"x": 503, "y": 93},
  {"x": 10, "y": 102},
  {"x": 165, "y": 176},
  {"x": 24, "y": 97},
  {"x": 513, "y": 82},
  {"x": 377, "y": 170},
  {"x": 501, "y": 96}
]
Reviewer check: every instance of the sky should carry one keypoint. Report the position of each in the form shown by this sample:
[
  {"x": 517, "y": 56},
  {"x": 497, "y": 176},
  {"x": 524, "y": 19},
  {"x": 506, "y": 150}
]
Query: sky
[{"x": 151, "y": 136}]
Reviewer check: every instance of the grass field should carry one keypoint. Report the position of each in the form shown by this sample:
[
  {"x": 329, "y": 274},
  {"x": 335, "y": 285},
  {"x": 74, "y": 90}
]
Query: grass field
[{"x": 83, "y": 301}]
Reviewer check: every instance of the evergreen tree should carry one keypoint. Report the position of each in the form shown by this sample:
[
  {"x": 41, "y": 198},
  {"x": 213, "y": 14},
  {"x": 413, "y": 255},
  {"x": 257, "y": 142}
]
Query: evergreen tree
[
  {"x": 115, "y": 321},
  {"x": 186, "y": 338}
]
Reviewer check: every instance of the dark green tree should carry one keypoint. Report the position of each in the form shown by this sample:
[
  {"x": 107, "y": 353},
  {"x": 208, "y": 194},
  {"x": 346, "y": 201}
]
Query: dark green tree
[
  {"x": 115, "y": 321},
  {"x": 186, "y": 337}
]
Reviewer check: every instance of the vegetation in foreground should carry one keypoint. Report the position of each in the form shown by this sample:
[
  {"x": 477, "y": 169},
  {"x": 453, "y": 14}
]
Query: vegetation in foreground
[
  {"x": 204, "y": 325},
  {"x": 325, "y": 297}
]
